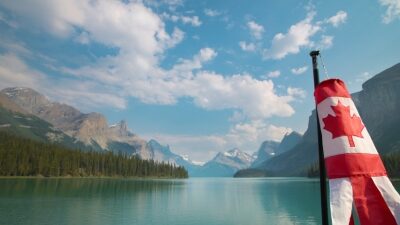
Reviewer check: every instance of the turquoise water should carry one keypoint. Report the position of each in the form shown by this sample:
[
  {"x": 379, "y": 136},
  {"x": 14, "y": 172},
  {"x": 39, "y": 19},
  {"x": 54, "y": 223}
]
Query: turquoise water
[{"x": 195, "y": 201}]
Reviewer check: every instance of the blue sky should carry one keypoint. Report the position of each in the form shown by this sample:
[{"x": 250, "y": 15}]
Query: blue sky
[{"x": 200, "y": 76}]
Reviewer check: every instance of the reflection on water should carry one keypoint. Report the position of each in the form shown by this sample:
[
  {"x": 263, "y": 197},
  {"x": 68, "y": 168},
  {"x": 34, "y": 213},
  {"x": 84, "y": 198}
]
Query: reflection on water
[
  {"x": 199, "y": 201},
  {"x": 291, "y": 201}
]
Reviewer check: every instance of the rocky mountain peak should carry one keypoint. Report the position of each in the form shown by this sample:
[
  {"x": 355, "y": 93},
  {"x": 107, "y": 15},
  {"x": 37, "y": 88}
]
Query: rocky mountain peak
[
  {"x": 288, "y": 142},
  {"x": 155, "y": 146},
  {"x": 120, "y": 129},
  {"x": 93, "y": 126},
  {"x": 27, "y": 98},
  {"x": 234, "y": 157},
  {"x": 6, "y": 103},
  {"x": 266, "y": 151},
  {"x": 123, "y": 126}
]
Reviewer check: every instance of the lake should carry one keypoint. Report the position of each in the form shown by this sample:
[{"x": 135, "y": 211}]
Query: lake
[{"x": 194, "y": 201}]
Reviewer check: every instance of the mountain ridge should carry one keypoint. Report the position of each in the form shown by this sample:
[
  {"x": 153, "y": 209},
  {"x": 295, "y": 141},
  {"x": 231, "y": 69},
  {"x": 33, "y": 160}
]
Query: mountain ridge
[
  {"x": 92, "y": 129},
  {"x": 224, "y": 164}
]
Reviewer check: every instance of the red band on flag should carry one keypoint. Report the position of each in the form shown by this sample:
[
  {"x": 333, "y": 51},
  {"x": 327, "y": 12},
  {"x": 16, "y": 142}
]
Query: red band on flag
[
  {"x": 371, "y": 207},
  {"x": 330, "y": 88},
  {"x": 353, "y": 164}
]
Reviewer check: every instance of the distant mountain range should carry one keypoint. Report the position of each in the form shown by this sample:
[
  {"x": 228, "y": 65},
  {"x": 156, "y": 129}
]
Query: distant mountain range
[
  {"x": 17, "y": 121},
  {"x": 224, "y": 164},
  {"x": 378, "y": 104},
  {"x": 25, "y": 112},
  {"x": 270, "y": 149}
]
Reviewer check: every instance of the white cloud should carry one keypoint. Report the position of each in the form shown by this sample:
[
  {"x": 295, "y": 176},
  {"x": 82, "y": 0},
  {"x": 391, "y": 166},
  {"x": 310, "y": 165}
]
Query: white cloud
[
  {"x": 212, "y": 13},
  {"x": 255, "y": 131},
  {"x": 255, "y": 98},
  {"x": 338, "y": 19},
  {"x": 392, "y": 11},
  {"x": 18, "y": 48},
  {"x": 192, "y": 20},
  {"x": 248, "y": 47},
  {"x": 83, "y": 38},
  {"x": 171, "y": 5},
  {"x": 325, "y": 42},
  {"x": 256, "y": 30},
  {"x": 299, "y": 70},
  {"x": 298, "y": 36},
  {"x": 296, "y": 92},
  {"x": 8, "y": 21},
  {"x": 14, "y": 72},
  {"x": 105, "y": 22},
  {"x": 134, "y": 71},
  {"x": 76, "y": 94},
  {"x": 274, "y": 74}
]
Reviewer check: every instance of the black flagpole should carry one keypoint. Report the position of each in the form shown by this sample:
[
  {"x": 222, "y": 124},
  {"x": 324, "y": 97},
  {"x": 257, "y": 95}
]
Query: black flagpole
[{"x": 322, "y": 174}]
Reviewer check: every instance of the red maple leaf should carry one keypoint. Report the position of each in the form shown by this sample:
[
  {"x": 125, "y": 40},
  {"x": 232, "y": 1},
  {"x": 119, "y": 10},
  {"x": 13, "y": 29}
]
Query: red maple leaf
[{"x": 343, "y": 124}]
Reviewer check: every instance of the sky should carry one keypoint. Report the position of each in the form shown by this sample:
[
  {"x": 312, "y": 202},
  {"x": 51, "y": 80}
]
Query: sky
[{"x": 200, "y": 76}]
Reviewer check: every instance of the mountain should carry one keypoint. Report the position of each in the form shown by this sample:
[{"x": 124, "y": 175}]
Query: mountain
[
  {"x": 224, "y": 164},
  {"x": 160, "y": 152},
  {"x": 59, "y": 121},
  {"x": 28, "y": 115},
  {"x": 86, "y": 130},
  {"x": 288, "y": 142},
  {"x": 378, "y": 104},
  {"x": 270, "y": 149},
  {"x": 266, "y": 151},
  {"x": 89, "y": 128},
  {"x": 163, "y": 153},
  {"x": 16, "y": 121},
  {"x": 6, "y": 103}
]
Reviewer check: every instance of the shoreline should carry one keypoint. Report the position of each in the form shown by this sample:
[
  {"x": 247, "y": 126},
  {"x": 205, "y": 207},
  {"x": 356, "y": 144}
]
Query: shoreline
[{"x": 89, "y": 177}]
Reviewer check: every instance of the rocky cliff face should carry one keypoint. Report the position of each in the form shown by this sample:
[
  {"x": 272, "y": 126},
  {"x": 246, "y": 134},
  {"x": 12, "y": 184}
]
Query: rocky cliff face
[
  {"x": 379, "y": 107},
  {"x": 17, "y": 121},
  {"x": 288, "y": 142},
  {"x": 266, "y": 151},
  {"x": 61, "y": 116},
  {"x": 163, "y": 153},
  {"x": 6, "y": 103},
  {"x": 89, "y": 129},
  {"x": 272, "y": 149},
  {"x": 92, "y": 129}
]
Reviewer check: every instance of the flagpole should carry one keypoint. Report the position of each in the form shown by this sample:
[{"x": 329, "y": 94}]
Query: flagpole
[{"x": 322, "y": 173}]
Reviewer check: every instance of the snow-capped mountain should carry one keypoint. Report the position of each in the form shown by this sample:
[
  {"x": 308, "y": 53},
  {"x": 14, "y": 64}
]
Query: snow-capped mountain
[{"x": 224, "y": 164}]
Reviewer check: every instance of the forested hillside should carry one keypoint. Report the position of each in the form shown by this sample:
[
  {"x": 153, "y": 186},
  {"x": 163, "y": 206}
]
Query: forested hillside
[{"x": 26, "y": 157}]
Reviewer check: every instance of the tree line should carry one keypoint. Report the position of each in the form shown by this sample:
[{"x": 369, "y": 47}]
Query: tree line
[
  {"x": 391, "y": 161},
  {"x": 26, "y": 157}
]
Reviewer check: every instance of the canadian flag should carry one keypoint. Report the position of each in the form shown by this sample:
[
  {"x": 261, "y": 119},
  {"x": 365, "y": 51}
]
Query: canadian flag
[{"x": 356, "y": 173}]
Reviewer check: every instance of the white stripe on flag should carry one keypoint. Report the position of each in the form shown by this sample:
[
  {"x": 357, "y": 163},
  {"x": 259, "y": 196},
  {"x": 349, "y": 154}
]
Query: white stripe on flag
[
  {"x": 390, "y": 195},
  {"x": 341, "y": 200}
]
